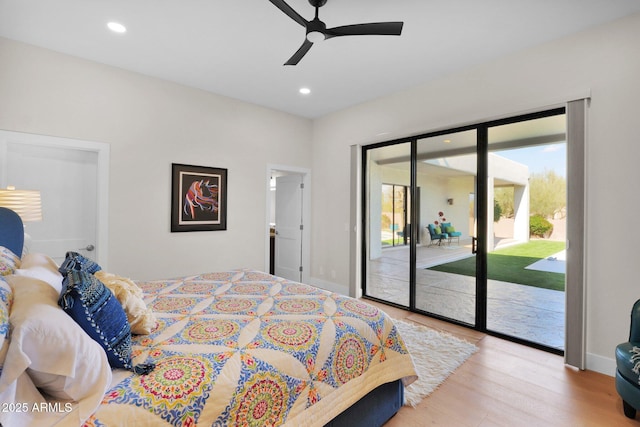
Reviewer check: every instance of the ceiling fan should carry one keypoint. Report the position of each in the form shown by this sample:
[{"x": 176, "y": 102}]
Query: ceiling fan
[{"x": 318, "y": 31}]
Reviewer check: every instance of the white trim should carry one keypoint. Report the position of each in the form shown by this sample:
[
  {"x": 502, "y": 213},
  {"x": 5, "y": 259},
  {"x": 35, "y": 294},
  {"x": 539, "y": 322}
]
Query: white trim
[
  {"x": 306, "y": 215},
  {"x": 604, "y": 365},
  {"x": 103, "y": 151}
]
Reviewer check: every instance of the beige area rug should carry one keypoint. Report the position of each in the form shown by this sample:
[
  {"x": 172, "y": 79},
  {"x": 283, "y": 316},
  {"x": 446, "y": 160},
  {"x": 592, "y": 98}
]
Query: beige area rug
[{"x": 435, "y": 355}]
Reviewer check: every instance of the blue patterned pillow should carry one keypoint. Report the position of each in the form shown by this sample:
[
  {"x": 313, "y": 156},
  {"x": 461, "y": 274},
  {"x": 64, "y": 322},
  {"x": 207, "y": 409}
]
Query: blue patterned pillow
[
  {"x": 92, "y": 305},
  {"x": 77, "y": 262}
]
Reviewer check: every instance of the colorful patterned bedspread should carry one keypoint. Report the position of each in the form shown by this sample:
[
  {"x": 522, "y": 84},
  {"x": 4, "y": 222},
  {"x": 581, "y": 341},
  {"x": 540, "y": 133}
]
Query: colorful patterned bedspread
[{"x": 246, "y": 348}]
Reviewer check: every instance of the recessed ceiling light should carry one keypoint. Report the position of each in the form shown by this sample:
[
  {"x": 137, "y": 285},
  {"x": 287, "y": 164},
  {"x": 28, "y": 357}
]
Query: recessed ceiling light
[
  {"x": 117, "y": 27},
  {"x": 305, "y": 90},
  {"x": 447, "y": 141}
]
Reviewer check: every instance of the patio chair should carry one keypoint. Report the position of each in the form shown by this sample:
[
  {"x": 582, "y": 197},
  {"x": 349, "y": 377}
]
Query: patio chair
[
  {"x": 436, "y": 236},
  {"x": 451, "y": 231},
  {"x": 628, "y": 366}
]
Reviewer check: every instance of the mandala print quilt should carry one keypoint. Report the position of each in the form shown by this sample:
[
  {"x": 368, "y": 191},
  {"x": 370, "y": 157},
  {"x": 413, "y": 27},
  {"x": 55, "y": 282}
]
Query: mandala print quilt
[{"x": 246, "y": 348}]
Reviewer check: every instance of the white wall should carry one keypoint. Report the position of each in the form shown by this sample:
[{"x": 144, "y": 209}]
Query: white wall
[
  {"x": 457, "y": 188},
  {"x": 604, "y": 61},
  {"x": 149, "y": 124}
]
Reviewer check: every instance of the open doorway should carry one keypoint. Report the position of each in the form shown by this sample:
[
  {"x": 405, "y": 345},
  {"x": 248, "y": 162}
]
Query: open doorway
[
  {"x": 288, "y": 222},
  {"x": 395, "y": 219}
]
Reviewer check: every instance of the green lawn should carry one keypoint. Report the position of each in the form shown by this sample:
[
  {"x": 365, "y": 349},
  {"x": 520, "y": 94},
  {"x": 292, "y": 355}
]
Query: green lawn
[{"x": 508, "y": 265}]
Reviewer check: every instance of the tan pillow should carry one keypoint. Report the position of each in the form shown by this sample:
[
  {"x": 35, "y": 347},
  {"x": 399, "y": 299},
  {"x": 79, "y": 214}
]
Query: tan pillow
[
  {"x": 42, "y": 267},
  {"x": 141, "y": 318}
]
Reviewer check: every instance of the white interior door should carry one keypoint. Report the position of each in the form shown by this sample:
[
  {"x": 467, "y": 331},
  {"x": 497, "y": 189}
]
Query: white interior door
[
  {"x": 289, "y": 227},
  {"x": 68, "y": 180}
]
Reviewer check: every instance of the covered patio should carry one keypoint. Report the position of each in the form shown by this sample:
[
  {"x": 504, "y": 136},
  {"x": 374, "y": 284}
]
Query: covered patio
[{"x": 525, "y": 312}]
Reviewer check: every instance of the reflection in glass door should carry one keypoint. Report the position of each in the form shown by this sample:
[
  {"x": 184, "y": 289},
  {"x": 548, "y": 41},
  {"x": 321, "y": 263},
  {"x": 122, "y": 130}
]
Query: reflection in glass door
[
  {"x": 395, "y": 225},
  {"x": 445, "y": 265}
]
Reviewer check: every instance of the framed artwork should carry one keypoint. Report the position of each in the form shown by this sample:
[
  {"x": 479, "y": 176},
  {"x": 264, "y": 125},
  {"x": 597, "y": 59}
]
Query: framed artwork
[{"x": 198, "y": 198}]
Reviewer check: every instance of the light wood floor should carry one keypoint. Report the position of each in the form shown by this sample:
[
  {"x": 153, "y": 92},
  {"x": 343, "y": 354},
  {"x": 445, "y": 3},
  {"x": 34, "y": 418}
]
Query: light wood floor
[{"x": 507, "y": 384}]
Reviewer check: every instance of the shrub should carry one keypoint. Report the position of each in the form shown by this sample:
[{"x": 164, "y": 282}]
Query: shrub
[
  {"x": 497, "y": 211},
  {"x": 539, "y": 226}
]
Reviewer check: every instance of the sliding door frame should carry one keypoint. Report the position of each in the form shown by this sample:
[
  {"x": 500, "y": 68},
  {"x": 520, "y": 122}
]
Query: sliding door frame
[
  {"x": 575, "y": 278},
  {"x": 482, "y": 173}
]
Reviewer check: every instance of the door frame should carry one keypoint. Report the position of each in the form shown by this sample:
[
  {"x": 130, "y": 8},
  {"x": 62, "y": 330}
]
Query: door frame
[
  {"x": 306, "y": 215},
  {"x": 575, "y": 300},
  {"x": 101, "y": 149}
]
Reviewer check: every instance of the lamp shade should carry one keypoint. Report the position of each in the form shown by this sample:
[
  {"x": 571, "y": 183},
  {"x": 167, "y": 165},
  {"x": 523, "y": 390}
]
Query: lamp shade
[{"x": 25, "y": 203}]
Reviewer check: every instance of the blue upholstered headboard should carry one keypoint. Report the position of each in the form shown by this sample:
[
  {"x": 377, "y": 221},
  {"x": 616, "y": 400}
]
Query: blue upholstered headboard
[{"x": 11, "y": 231}]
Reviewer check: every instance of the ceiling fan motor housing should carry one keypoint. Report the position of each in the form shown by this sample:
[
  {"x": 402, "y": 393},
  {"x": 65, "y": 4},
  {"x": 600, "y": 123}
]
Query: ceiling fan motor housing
[
  {"x": 316, "y": 26},
  {"x": 317, "y": 3}
]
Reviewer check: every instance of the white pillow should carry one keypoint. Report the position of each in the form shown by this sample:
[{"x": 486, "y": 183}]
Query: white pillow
[
  {"x": 22, "y": 392},
  {"x": 60, "y": 358},
  {"x": 41, "y": 266}
]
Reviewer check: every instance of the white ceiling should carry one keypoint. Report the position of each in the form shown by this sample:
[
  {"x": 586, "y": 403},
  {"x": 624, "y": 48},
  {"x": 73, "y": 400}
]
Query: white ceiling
[{"x": 237, "y": 47}]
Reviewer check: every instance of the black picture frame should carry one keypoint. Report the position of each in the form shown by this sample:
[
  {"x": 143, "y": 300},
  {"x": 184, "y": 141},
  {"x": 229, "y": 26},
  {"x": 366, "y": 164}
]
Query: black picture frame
[{"x": 198, "y": 198}]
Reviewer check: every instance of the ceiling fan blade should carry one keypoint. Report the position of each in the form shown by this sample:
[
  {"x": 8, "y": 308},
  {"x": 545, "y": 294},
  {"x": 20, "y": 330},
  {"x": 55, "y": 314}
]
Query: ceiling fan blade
[
  {"x": 299, "y": 53},
  {"x": 280, "y": 4},
  {"x": 372, "y": 29}
]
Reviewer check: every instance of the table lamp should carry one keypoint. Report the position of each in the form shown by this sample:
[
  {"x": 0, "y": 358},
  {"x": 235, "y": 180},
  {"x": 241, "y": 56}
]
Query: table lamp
[{"x": 26, "y": 203}]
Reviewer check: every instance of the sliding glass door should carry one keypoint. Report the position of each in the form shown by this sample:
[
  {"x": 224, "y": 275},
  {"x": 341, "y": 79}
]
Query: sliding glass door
[
  {"x": 388, "y": 212},
  {"x": 526, "y": 260},
  {"x": 446, "y": 170},
  {"x": 445, "y": 214}
]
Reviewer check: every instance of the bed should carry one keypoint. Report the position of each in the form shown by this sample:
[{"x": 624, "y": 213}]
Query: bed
[{"x": 238, "y": 347}]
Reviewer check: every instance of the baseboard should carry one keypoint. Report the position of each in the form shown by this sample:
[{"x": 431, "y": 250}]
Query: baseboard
[
  {"x": 604, "y": 365},
  {"x": 329, "y": 286}
]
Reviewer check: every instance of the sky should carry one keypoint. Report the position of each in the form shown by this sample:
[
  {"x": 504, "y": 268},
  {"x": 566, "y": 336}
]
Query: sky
[{"x": 540, "y": 158}]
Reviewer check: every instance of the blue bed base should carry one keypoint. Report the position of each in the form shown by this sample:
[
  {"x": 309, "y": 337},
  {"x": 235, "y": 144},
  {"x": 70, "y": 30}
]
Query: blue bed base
[{"x": 374, "y": 409}]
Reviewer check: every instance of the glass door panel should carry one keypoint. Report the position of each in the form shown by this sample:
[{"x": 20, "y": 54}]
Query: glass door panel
[
  {"x": 526, "y": 249},
  {"x": 445, "y": 267},
  {"x": 388, "y": 224}
]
